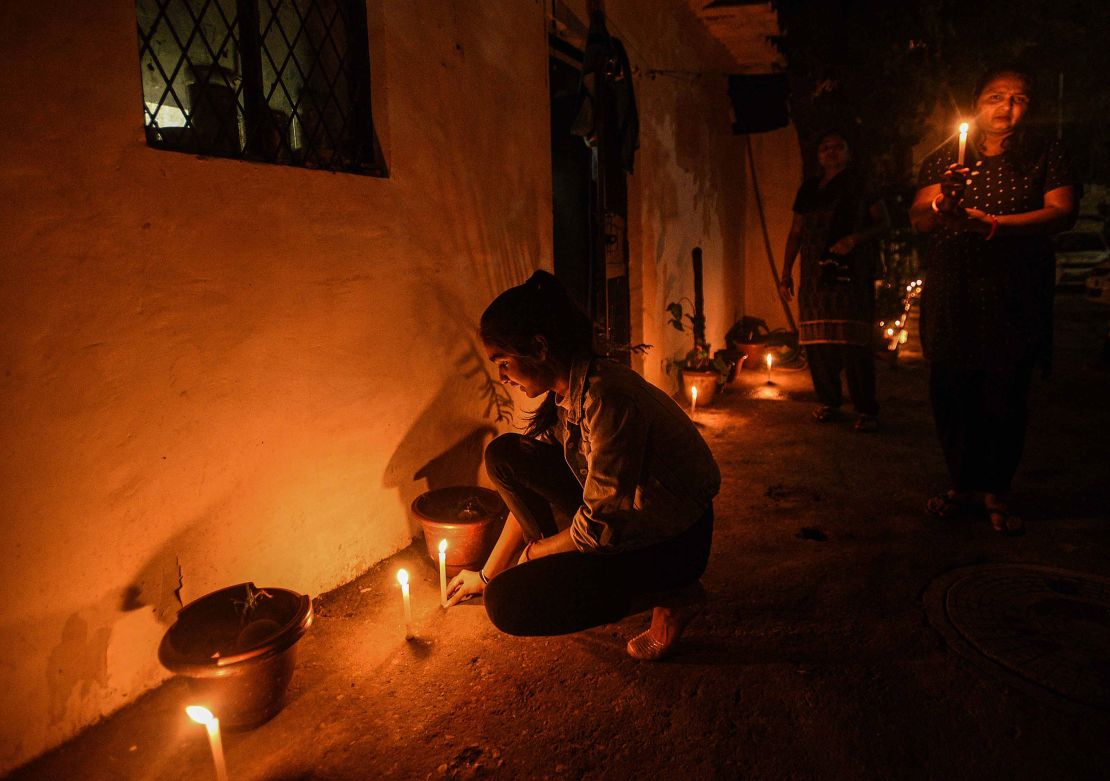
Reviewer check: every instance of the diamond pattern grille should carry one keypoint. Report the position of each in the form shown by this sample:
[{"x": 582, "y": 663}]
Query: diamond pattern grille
[{"x": 280, "y": 81}]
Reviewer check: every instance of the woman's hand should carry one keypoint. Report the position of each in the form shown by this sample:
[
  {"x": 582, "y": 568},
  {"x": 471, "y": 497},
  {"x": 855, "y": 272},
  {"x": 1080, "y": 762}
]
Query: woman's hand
[
  {"x": 953, "y": 183},
  {"x": 463, "y": 586},
  {"x": 978, "y": 221},
  {"x": 844, "y": 246},
  {"x": 786, "y": 287},
  {"x": 968, "y": 221}
]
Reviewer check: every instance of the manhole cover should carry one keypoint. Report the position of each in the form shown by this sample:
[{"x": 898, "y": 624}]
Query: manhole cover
[{"x": 1044, "y": 630}]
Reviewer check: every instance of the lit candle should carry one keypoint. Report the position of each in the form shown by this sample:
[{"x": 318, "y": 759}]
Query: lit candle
[
  {"x": 963, "y": 143},
  {"x": 204, "y": 716},
  {"x": 403, "y": 579},
  {"x": 693, "y": 399},
  {"x": 443, "y": 573},
  {"x": 769, "y": 361}
]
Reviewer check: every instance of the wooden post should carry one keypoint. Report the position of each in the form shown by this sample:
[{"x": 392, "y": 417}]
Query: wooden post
[{"x": 699, "y": 302}]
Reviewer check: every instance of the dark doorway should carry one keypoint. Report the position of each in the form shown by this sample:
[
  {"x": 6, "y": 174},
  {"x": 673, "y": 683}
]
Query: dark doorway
[
  {"x": 570, "y": 178},
  {"x": 597, "y": 278}
]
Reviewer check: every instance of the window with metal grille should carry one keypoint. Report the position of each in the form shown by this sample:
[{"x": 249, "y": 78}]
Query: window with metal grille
[{"x": 277, "y": 81}]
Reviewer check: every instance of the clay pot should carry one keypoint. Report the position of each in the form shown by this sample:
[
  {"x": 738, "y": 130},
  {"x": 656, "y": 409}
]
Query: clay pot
[
  {"x": 754, "y": 351},
  {"x": 704, "y": 381},
  {"x": 469, "y": 517},
  {"x": 238, "y": 653}
]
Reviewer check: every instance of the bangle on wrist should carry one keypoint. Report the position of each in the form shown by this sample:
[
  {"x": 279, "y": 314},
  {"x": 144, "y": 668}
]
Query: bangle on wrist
[
  {"x": 482, "y": 575},
  {"x": 936, "y": 209},
  {"x": 994, "y": 227}
]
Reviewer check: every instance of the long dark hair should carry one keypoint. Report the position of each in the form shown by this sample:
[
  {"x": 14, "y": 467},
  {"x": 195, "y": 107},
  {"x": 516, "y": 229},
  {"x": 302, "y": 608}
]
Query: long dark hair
[
  {"x": 541, "y": 307},
  {"x": 1026, "y": 144}
]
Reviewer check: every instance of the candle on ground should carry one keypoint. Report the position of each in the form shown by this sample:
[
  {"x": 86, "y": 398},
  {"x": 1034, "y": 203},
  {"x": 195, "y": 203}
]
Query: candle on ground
[
  {"x": 443, "y": 573},
  {"x": 963, "y": 143},
  {"x": 403, "y": 579},
  {"x": 693, "y": 399},
  {"x": 204, "y": 716},
  {"x": 769, "y": 361}
]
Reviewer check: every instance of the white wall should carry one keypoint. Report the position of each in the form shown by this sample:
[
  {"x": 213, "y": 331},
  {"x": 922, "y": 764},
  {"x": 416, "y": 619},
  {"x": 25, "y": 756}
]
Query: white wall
[{"x": 216, "y": 371}]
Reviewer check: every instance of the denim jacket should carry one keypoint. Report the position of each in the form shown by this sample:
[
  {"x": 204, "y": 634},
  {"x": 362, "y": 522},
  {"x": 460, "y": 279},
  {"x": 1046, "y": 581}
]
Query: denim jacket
[{"x": 646, "y": 473}]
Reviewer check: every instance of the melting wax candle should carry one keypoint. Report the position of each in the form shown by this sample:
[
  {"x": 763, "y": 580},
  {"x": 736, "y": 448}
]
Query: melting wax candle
[
  {"x": 202, "y": 715},
  {"x": 403, "y": 579},
  {"x": 443, "y": 573}
]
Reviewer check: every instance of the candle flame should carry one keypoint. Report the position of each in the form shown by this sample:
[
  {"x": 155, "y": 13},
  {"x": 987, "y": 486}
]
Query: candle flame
[
  {"x": 963, "y": 127},
  {"x": 694, "y": 392},
  {"x": 200, "y": 714},
  {"x": 403, "y": 577},
  {"x": 769, "y": 360},
  {"x": 443, "y": 546}
]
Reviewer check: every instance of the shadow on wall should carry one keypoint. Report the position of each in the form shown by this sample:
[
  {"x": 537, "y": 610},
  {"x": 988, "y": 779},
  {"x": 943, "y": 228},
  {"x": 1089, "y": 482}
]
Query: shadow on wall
[
  {"x": 710, "y": 157},
  {"x": 445, "y": 444},
  {"x": 71, "y": 663}
]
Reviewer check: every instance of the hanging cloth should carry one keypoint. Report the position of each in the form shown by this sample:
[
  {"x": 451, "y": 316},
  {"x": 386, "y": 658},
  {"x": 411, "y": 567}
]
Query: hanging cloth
[{"x": 605, "y": 57}]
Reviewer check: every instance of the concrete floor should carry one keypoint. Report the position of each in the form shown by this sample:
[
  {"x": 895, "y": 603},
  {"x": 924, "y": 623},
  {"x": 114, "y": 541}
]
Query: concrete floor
[{"x": 815, "y": 658}]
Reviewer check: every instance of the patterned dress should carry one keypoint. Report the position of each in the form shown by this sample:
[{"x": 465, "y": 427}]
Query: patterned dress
[
  {"x": 988, "y": 304},
  {"x": 840, "y": 308}
]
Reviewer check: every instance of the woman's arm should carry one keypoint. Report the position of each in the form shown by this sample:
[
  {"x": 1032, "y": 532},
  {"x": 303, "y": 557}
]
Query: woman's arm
[
  {"x": 922, "y": 217},
  {"x": 793, "y": 244},
  {"x": 1057, "y": 214},
  {"x": 469, "y": 583},
  {"x": 557, "y": 543},
  {"x": 880, "y": 221}
]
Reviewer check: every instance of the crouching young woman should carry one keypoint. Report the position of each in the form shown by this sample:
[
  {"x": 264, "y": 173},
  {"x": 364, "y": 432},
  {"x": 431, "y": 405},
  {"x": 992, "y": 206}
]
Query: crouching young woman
[{"x": 609, "y": 489}]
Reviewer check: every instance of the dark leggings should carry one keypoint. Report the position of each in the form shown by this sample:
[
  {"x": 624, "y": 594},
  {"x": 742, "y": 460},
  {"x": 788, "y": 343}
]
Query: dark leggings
[
  {"x": 827, "y": 361},
  {"x": 980, "y": 417},
  {"x": 569, "y": 592}
]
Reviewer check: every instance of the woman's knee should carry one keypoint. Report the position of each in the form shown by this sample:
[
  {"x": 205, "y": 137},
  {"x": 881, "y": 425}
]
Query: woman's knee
[
  {"x": 501, "y": 453},
  {"x": 556, "y": 595}
]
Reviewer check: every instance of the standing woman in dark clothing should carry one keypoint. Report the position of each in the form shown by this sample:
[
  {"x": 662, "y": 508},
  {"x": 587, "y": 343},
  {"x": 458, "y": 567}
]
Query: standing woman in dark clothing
[
  {"x": 609, "y": 490},
  {"x": 986, "y": 310},
  {"x": 836, "y": 222}
]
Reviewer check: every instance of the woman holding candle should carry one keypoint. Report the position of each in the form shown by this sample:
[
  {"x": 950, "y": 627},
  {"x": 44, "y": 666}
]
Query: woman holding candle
[
  {"x": 837, "y": 219},
  {"x": 610, "y": 488},
  {"x": 986, "y": 309}
]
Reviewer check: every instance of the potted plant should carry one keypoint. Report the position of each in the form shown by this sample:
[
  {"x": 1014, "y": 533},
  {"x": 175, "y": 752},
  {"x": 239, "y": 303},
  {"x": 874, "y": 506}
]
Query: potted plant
[
  {"x": 747, "y": 339},
  {"x": 468, "y": 517},
  {"x": 699, "y": 368}
]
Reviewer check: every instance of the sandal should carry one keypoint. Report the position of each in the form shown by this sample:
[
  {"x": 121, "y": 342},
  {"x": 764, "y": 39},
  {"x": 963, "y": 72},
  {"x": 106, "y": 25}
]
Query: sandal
[
  {"x": 866, "y": 424},
  {"x": 949, "y": 505},
  {"x": 1004, "y": 523},
  {"x": 672, "y": 620},
  {"x": 826, "y": 414}
]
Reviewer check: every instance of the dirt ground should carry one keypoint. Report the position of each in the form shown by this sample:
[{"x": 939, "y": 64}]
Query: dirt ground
[{"x": 815, "y": 658}]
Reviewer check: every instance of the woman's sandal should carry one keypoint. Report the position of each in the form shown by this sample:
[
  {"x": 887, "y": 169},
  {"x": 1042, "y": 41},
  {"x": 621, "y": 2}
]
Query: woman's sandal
[
  {"x": 826, "y": 414},
  {"x": 866, "y": 424},
  {"x": 949, "y": 505},
  {"x": 674, "y": 621},
  {"x": 1004, "y": 523}
]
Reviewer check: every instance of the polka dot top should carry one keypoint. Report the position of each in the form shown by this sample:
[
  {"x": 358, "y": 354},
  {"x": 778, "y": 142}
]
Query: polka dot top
[{"x": 988, "y": 304}]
